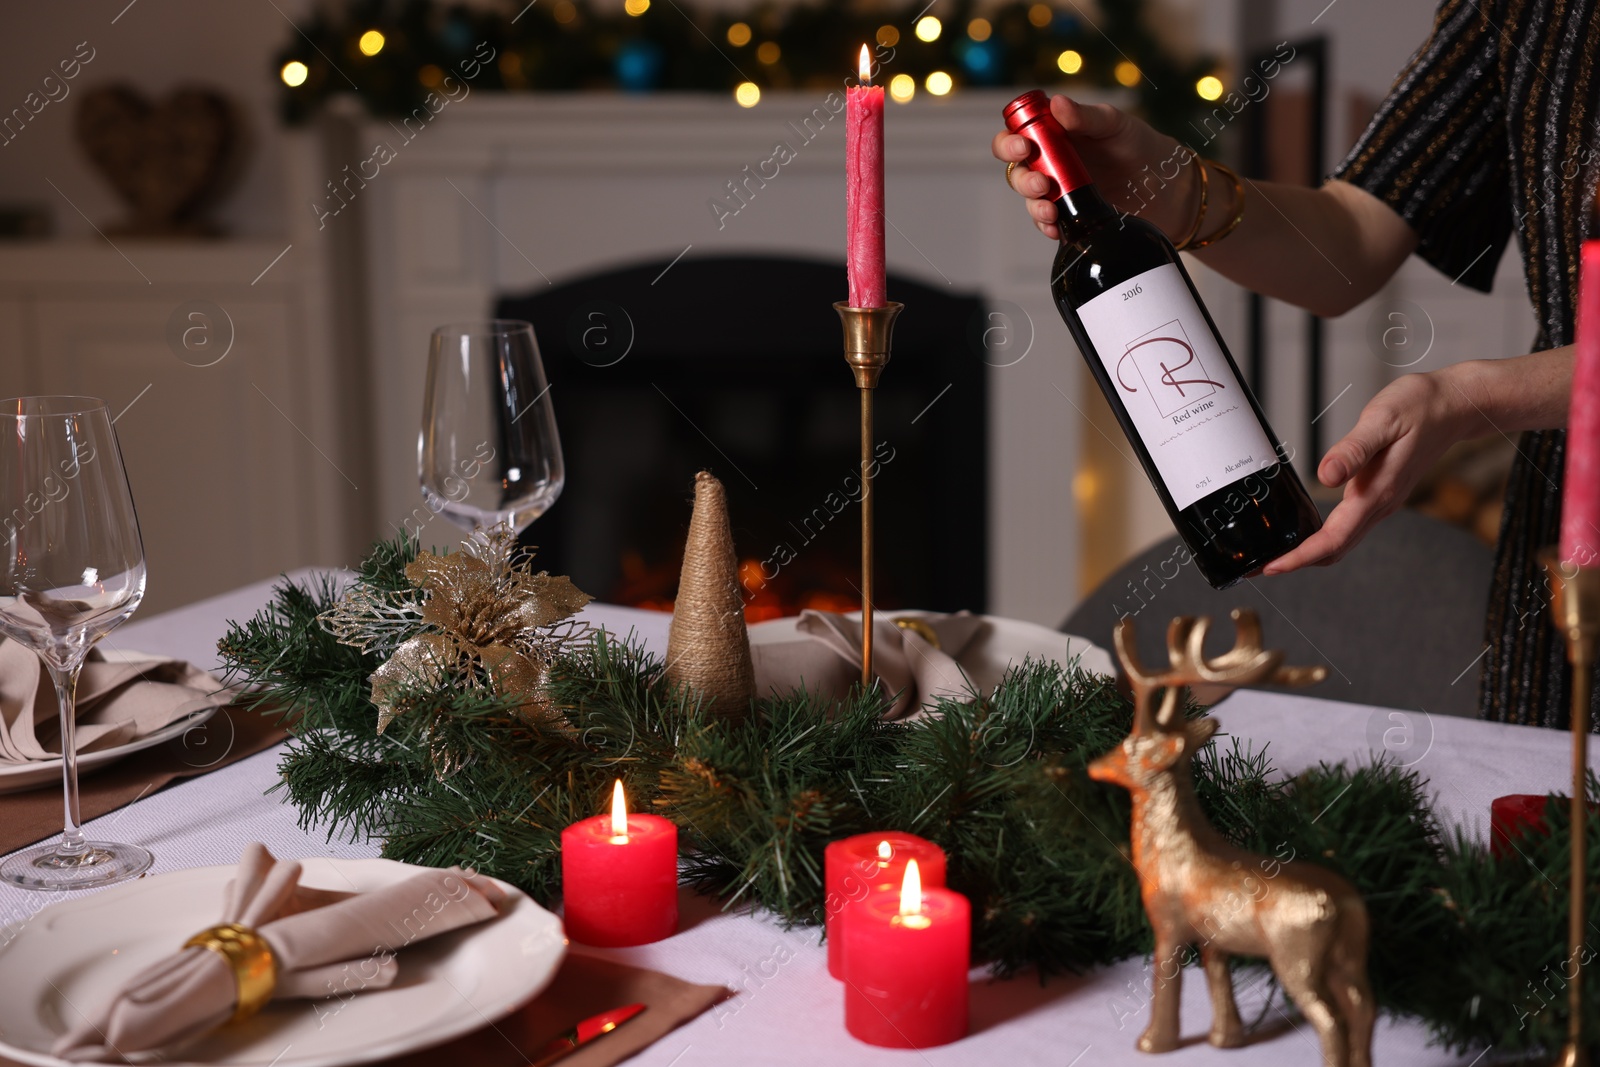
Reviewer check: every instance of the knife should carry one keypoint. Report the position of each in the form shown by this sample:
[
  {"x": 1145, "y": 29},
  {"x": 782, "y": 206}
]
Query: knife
[{"x": 586, "y": 1031}]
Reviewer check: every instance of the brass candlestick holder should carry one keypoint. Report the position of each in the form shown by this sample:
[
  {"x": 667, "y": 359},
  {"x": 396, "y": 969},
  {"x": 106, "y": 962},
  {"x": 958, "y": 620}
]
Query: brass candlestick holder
[
  {"x": 867, "y": 336},
  {"x": 1575, "y": 603}
]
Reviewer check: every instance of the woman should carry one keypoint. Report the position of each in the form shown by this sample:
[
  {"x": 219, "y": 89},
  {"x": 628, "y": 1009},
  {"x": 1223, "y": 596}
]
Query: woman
[{"x": 1491, "y": 127}]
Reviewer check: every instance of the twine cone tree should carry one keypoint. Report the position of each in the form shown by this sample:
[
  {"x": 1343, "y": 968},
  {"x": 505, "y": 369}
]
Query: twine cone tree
[{"x": 708, "y": 647}]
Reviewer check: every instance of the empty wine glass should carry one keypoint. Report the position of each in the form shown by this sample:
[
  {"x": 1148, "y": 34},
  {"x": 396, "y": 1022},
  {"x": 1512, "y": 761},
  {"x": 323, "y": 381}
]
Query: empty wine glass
[
  {"x": 71, "y": 570},
  {"x": 488, "y": 452}
]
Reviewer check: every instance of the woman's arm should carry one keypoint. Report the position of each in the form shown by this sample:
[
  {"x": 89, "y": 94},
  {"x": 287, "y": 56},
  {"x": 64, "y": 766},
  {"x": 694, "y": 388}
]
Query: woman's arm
[
  {"x": 1409, "y": 424},
  {"x": 1325, "y": 249}
]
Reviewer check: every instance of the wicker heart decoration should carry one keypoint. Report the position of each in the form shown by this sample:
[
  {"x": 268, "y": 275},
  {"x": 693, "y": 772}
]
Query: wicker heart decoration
[{"x": 165, "y": 160}]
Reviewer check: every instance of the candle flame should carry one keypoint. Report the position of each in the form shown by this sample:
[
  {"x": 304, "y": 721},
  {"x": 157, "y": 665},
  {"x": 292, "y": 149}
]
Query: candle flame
[
  {"x": 885, "y": 852},
  {"x": 911, "y": 890},
  {"x": 865, "y": 66},
  {"x": 619, "y": 813}
]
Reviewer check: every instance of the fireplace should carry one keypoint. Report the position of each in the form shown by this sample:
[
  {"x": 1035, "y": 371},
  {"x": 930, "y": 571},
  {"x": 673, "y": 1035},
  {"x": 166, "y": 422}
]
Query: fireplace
[{"x": 734, "y": 365}]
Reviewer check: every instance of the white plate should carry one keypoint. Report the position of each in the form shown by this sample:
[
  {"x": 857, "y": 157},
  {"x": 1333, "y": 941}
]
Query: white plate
[
  {"x": 15, "y": 777},
  {"x": 80, "y": 951},
  {"x": 998, "y": 644}
]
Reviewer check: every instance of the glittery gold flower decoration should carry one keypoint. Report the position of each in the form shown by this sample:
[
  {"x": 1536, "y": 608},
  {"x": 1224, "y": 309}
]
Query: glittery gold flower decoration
[{"x": 479, "y": 617}]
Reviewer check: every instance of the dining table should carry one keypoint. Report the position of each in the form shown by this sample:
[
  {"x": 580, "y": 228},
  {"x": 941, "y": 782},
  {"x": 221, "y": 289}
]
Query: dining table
[{"x": 784, "y": 1008}]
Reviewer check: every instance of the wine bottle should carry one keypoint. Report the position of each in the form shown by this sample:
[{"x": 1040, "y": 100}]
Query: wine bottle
[{"x": 1223, "y": 476}]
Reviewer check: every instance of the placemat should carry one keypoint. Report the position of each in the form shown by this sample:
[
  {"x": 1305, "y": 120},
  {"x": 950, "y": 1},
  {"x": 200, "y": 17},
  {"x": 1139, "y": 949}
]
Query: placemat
[
  {"x": 584, "y": 986},
  {"x": 230, "y": 735}
]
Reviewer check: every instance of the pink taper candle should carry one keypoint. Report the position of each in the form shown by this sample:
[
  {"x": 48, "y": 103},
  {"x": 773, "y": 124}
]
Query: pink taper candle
[
  {"x": 864, "y": 189},
  {"x": 1580, "y": 498}
]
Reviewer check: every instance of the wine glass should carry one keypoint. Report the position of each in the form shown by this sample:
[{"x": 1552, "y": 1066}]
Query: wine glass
[
  {"x": 488, "y": 452},
  {"x": 71, "y": 570}
]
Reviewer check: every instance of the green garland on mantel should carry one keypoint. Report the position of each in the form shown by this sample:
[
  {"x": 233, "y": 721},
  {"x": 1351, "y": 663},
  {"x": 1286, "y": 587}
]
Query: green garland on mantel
[
  {"x": 1467, "y": 942},
  {"x": 564, "y": 45}
]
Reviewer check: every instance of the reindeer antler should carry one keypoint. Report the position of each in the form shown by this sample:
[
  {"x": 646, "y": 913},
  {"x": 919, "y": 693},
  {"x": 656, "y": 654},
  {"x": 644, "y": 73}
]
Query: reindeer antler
[
  {"x": 1243, "y": 664},
  {"x": 1246, "y": 662}
]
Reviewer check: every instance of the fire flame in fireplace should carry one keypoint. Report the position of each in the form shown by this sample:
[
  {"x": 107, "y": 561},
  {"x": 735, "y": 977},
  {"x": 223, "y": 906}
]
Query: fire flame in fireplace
[{"x": 824, "y": 585}]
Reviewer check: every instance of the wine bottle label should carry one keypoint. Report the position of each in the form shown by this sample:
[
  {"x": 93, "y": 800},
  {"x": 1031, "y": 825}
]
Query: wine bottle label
[{"x": 1178, "y": 388}]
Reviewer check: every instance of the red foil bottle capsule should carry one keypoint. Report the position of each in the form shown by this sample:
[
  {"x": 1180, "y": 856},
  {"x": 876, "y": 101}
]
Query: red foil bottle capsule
[{"x": 1053, "y": 154}]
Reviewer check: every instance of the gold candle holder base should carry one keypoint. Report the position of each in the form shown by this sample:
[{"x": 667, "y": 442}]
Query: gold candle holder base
[
  {"x": 1575, "y": 604},
  {"x": 867, "y": 336}
]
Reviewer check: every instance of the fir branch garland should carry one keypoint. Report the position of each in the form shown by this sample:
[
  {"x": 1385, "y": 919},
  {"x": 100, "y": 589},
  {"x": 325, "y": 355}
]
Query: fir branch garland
[{"x": 1470, "y": 943}]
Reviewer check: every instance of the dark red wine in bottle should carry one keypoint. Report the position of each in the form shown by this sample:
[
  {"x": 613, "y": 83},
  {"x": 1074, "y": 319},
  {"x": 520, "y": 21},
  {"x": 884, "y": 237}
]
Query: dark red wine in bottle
[{"x": 1222, "y": 474}]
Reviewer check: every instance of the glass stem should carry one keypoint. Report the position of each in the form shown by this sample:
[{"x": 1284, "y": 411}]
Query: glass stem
[{"x": 73, "y": 842}]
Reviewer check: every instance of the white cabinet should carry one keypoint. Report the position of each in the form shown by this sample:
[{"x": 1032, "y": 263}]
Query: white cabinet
[{"x": 237, "y": 467}]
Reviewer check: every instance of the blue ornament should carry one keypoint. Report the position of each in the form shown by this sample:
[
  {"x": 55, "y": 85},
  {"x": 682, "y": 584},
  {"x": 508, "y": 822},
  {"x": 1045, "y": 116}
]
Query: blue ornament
[
  {"x": 638, "y": 65},
  {"x": 457, "y": 33},
  {"x": 982, "y": 61}
]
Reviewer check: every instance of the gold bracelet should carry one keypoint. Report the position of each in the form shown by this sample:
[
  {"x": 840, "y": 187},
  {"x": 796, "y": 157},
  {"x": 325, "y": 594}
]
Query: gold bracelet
[
  {"x": 1238, "y": 213},
  {"x": 1200, "y": 215},
  {"x": 249, "y": 957}
]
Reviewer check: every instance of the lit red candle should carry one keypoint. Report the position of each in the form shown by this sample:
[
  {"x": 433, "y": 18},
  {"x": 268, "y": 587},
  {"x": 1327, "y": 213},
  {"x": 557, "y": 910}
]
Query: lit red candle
[
  {"x": 905, "y": 966},
  {"x": 1580, "y": 497},
  {"x": 619, "y": 877},
  {"x": 863, "y": 197},
  {"x": 856, "y": 867}
]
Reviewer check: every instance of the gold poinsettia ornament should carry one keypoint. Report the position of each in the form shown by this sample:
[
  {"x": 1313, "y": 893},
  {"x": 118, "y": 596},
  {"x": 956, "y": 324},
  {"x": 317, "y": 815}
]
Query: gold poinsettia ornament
[{"x": 479, "y": 616}]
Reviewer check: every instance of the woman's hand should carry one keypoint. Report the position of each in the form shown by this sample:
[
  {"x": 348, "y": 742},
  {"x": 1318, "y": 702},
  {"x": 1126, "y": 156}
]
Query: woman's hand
[
  {"x": 1402, "y": 432},
  {"x": 1140, "y": 171},
  {"x": 1406, "y": 428}
]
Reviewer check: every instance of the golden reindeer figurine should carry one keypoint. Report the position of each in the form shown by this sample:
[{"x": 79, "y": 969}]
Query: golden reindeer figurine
[{"x": 1198, "y": 889}]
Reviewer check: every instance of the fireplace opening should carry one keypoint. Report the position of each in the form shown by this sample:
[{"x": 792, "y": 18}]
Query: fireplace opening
[{"x": 734, "y": 365}]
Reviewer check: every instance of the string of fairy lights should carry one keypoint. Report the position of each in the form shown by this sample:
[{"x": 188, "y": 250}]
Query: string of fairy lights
[{"x": 393, "y": 53}]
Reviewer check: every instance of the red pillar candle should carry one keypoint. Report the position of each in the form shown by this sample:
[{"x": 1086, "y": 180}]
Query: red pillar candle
[
  {"x": 1580, "y": 496},
  {"x": 1517, "y": 815},
  {"x": 863, "y": 198},
  {"x": 857, "y": 866},
  {"x": 619, "y": 878},
  {"x": 906, "y": 960},
  {"x": 1512, "y": 816}
]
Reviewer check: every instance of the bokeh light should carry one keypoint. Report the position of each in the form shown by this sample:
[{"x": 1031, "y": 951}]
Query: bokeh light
[
  {"x": 294, "y": 73},
  {"x": 1127, "y": 74},
  {"x": 636, "y": 7},
  {"x": 928, "y": 28},
  {"x": 1070, "y": 62},
  {"x": 748, "y": 94},
  {"x": 939, "y": 83},
  {"x": 979, "y": 29},
  {"x": 1209, "y": 87},
  {"x": 371, "y": 43},
  {"x": 739, "y": 34},
  {"x": 769, "y": 52},
  {"x": 888, "y": 36},
  {"x": 1040, "y": 15},
  {"x": 902, "y": 87}
]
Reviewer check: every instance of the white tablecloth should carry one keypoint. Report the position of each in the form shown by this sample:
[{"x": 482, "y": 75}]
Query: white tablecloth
[{"x": 788, "y": 1010}]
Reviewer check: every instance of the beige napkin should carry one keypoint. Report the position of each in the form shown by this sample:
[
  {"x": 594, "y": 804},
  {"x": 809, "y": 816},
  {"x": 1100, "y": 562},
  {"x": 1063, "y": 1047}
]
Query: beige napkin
[
  {"x": 322, "y": 942},
  {"x": 908, "y": 664},
  {"x": 121, "y": 698}
]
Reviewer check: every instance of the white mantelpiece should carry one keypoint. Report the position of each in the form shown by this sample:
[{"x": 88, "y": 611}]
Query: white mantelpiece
[{"x": 508, "y": 193}]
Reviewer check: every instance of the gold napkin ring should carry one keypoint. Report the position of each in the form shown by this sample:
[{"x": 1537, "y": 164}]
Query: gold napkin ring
[
  {"x": 921, "y": 629},
  {"x": 249, "y": 957}
]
